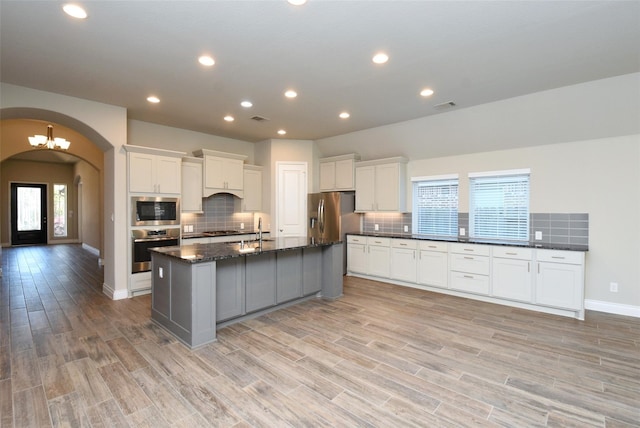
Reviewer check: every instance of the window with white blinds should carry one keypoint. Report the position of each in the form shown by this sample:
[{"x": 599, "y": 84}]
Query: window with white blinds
[
  {"x": 435, "y": 205},
  {"x": 499, "y": 205}
]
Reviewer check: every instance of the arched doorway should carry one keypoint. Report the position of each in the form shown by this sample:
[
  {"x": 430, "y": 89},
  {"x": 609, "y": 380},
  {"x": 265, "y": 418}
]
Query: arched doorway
[
  {"x": 55, "y": 173},
  {"x": 106, "y": 127}
]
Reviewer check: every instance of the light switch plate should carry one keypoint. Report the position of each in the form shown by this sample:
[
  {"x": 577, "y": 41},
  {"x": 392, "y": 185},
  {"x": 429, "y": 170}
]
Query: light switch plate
[
  {"x": 538, "y": 236},
  {"x": 241, "y": 226},
  {"x": 406, "y": 228},
  {"x": 463, "y": 231},
  {"x": 376, "y": 227}
]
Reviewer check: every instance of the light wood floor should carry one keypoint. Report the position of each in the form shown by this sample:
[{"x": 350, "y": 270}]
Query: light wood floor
[{"x": 381, "y": 356}]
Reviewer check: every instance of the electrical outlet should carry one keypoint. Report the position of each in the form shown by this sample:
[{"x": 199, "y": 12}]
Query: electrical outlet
[
  {"x": 463, "y": 231},
  {"x": 406, "y": 228},
  {"x": 538, "y": 235},
  {"x": 613, "y": 287},
  {"x": 241, "y": 226},
  {"x": 376, "y": 227}
]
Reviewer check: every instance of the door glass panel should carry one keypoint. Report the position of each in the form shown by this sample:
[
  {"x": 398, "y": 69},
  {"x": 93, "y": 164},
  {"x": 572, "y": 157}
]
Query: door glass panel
[
  {"x": 29, "y": 215},
  {"x": 59, "y": 210}
]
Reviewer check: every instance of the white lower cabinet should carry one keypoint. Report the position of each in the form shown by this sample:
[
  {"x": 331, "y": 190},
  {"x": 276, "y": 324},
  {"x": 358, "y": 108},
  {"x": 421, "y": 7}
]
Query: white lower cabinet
[
  {"x": 512, "y": 276},
  {"x": 545, "y": 280},
  {"x": 469, "y": 268},
  {"x": 433, "y": 264},
  {"x": 378, "y": 251},
  {"x": 403, "y": 260},
  {"x": 357, "y": 259},
  {"x": 560, "y": 279}
]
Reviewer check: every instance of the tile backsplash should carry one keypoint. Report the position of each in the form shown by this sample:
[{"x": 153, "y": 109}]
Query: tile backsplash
[
  {"x": 387, "y": 223},
  {"x": 221, "y": 212},
  {"x": 556, "y": 228}
]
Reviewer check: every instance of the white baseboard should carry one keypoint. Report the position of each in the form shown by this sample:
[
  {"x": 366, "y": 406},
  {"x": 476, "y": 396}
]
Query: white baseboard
[
  {"x": 612, "y": 308},
  {"x": 90, "y": 249},
  {"x": 114, "y": 294}
]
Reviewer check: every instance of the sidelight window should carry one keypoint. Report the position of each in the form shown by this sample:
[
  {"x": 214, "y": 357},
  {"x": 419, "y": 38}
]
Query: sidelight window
[
  {"x": 435, "y": 205},
  {"x": 499, "y": 205},
  {"x": 59, "y": 210}
]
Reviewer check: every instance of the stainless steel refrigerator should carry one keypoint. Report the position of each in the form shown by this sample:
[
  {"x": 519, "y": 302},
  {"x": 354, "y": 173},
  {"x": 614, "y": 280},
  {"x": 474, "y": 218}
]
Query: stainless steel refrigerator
[{"x": 331, "y": 217}]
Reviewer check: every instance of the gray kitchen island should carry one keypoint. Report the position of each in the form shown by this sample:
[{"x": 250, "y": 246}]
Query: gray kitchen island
[{"x": 201, "y": 287}]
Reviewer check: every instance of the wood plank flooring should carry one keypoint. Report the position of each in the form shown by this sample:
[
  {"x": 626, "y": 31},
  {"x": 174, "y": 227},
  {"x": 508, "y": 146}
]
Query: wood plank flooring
[{"x": 380, "y": 356}]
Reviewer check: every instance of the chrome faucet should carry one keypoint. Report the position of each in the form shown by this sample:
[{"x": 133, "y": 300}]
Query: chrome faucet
[{"x": 260, "y": 231}]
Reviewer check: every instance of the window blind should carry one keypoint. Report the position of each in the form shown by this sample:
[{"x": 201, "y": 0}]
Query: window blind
[
  {"x": 499, "y": 206},
  {"x": 435, "y": 207}
]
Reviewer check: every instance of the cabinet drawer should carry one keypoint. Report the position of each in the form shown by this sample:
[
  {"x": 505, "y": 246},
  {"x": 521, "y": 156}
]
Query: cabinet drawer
[
  {"x": 409, "y": 244},
  {"x": 557, "y": 256},
  {"x": 470, "y": 264},
  {"x": 480, "y": 250},
  {"x": 478, "y": 284},
  {"x": 441, "y": 247},
  {"x": 351, "y": 239},
  {"x": 381, "y": 242},
  {"x": 513, "y": 253}
]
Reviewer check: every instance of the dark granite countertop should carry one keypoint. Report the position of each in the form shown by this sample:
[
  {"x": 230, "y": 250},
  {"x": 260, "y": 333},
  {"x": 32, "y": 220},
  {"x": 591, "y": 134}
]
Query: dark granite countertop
[
  {"x": 544, "y": 246},
  {"x": 198, "y": 253}
]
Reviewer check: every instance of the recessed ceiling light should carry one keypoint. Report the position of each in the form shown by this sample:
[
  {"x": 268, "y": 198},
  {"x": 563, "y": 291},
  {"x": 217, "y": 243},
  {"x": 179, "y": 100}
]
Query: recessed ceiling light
[
  {"x": 282, "y": 132},
  {"x": 426, "y": 92},
  {"x": 229, "y": 118},
  {"x": 344, "y": 115},
  {"x": 380, "y": 58},
  {"x": 206, "y": 60},
  {"x": 246, "y": 104},
  {"x": 297, "y": 2},
  {"x": 153, "y": 99},
  {"x": 74, "y": 10},
  {"x": 290, "y": 93}
]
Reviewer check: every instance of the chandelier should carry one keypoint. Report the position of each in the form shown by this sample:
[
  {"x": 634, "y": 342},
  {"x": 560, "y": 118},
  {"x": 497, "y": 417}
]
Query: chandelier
[{"x": 48, "y": 142}]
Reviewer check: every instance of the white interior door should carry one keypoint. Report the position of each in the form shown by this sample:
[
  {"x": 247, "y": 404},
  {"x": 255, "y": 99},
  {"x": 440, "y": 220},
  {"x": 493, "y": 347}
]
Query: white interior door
[{"x": 291, "y": 199}]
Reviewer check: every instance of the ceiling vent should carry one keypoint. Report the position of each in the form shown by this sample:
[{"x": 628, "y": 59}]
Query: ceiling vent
[
  {"x": 448, "y": 104},
  {"x": 259, "y": 119}
]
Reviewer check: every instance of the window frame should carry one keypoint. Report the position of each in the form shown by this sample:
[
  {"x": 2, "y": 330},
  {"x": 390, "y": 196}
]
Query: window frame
[
  {"x": 446, "y": 180},
  {"x": 512, "y": 226}
]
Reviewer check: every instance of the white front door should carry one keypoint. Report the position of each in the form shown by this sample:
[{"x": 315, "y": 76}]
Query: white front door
[{"x": 291, "y": 199}]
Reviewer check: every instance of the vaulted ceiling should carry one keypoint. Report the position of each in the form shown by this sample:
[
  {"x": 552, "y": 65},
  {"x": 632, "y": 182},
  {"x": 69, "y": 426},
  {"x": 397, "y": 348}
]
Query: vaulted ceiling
[{"x": 468, "y": 53}]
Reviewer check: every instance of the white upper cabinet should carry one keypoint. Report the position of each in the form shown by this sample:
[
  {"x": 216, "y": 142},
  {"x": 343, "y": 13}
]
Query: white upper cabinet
[
  {"x": 337, "y": 173},
  {"x": 381, "y": 185},
  {"x": 191, "y": 184},
  {"x": 223, "y": 172},
  {"x": 154, "y": 170},
  {"x": 252, "y": 188}
]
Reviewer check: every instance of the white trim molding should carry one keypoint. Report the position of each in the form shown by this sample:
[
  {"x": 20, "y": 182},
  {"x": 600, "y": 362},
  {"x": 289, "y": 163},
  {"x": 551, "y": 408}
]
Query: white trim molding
[
  {"x": 612, "y": 308},
  {"x": 92, "y": 250},
  {"x": 114, "y": 294}
]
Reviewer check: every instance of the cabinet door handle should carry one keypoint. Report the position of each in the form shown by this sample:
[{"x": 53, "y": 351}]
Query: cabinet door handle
[
  {"x": 538, "y": 267},
  {"x": 469, "y": 249},
  {"x": 432, "y": 246},
  {"x": 557, "y": 257},
  {"x": 468, "y": 258},
  {"x": 403, "y": 244},
  {"x": 512, "y": 254},
  {"x": 528, "y": 267},
  {"x": 414, "y": 254},
  {"x": 468, "y": 276}
]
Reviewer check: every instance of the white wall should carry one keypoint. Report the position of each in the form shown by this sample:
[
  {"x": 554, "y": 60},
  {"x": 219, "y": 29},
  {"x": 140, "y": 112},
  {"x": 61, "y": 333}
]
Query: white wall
[{"x": 169, "y": 138}]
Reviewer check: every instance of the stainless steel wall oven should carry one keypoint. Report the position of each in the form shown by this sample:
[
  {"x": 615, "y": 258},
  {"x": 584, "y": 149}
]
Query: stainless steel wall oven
[{"x": 143, "y": 239}]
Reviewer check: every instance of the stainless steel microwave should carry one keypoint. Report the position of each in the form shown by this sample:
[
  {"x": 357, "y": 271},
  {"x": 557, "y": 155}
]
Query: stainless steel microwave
[{"x": 154, "y": 211}]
